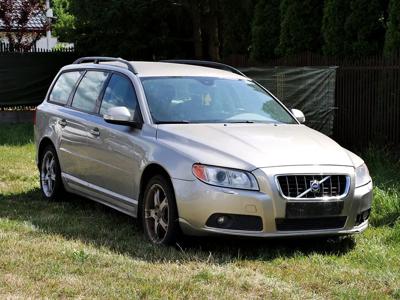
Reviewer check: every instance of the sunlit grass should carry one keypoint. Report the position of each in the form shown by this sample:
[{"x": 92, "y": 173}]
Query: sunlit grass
[{"x": 80, "y": 249}]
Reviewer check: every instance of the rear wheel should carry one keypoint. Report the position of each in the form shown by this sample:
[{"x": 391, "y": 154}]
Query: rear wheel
[
  {"x": 159, "y": 212},
  {"x": 50, "y": 175}
]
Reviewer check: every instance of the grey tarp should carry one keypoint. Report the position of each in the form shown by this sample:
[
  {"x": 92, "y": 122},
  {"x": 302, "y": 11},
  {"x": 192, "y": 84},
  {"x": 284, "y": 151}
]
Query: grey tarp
[{"x": 310, "y": 89}]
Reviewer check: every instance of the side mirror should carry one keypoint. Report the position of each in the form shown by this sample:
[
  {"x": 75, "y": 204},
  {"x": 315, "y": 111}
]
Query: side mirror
[
  {"x": 121, "y": 115},
  {"x": 298, "y": 114}
]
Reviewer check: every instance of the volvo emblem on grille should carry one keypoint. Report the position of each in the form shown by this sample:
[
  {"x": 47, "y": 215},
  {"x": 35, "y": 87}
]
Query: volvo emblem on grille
[{"x": 315, "y": 186}]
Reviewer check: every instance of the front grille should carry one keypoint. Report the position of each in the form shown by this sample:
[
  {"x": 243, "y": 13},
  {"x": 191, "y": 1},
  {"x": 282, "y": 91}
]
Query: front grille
[
  {"x": 313, "y": 209},
  {"x": 310, "y": 223},
  {"x": 304, "y": 186}
]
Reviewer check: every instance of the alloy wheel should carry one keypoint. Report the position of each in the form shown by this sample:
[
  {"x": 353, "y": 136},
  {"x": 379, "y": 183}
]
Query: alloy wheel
[
  {"x": 156, "y": 213},
  {"x": 48, "y": 174}
]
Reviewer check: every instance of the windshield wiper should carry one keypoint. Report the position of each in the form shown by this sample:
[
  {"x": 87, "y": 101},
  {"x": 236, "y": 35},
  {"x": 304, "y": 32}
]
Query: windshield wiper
[{"x": 173, "y": 122}]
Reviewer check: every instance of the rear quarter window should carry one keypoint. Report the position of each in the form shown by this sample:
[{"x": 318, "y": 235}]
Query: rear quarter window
[{"x": 63, "y": 87}]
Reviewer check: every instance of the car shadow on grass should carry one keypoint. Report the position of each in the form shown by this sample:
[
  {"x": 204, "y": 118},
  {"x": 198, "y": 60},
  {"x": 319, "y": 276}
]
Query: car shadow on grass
[{"x": 81, "y": 219}]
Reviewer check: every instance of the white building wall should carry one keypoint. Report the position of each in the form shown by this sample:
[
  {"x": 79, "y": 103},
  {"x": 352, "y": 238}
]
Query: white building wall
[{"x": 42, "y": 43}]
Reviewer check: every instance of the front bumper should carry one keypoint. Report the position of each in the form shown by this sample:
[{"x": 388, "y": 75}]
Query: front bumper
[{"x": 197, "y": 201}]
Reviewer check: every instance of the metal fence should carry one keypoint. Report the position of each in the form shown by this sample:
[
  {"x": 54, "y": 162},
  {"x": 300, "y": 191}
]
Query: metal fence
[
  {"x": 368, "y": 101},
  {"x": 367, "y": 96},
  {"x": 5, "y": 48}
]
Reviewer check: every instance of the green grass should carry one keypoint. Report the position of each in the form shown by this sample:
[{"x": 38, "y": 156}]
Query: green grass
[
  {"x": 80, "y": 249},
  {"x": 385, "y": 169}
]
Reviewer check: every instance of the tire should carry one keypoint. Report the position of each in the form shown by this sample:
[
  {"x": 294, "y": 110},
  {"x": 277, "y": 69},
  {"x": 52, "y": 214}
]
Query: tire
[
  {"x": 159, "y": 212},
  {"x": 50, "y": 175}
]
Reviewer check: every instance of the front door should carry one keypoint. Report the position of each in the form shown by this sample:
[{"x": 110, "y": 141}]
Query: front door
[{"x": 116, "y": 151}]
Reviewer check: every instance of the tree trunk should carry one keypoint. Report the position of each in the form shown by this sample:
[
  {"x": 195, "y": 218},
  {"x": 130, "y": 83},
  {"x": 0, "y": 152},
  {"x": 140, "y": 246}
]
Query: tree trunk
[
  {"x": 197, "y": 28},
  {"x": 213, "y": 31}
]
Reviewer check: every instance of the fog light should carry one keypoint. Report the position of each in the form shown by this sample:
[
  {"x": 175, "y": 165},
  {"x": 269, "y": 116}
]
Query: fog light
[
  {"x": 365, "y": 215},
  {"x": 221, "y": 220}
]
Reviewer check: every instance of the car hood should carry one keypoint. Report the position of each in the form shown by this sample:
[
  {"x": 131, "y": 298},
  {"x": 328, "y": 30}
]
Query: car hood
[{"x": 251, "y": 146}]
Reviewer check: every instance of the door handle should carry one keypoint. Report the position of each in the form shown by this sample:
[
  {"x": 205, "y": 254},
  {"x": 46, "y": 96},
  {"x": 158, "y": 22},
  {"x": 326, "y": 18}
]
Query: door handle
[
  {"x": 95, "y": 131},
  {"x": 62, "y": 122}
]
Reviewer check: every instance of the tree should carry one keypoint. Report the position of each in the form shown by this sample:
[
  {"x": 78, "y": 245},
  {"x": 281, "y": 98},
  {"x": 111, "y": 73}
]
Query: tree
[
  {"x": 15, "y": 17},
  {"x": 333, "y": 22},
  {"x": 364, "y": 28},
  {"x": 135, "y": 29},
  {"x": 300, "y": 26},
  {"x": 64, "y": 25},
  {"x": 265, "y": 29},
  {"x": 205, "y": 27},
  {"x": 211, "y": 28},
  {"x": 392, "y": 39},
  {"x": 235, "y": 33}
]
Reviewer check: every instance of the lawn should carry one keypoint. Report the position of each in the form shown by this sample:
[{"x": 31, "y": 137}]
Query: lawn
[{"x": 81, "y": 249}]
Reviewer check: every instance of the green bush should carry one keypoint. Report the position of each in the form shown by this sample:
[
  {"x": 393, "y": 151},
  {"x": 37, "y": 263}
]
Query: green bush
[{"x": 64, "y": 25}]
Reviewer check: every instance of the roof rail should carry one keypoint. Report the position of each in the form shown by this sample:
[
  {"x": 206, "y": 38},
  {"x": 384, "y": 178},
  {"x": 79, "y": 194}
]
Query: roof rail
[
  {"x": 205, "y": 63},
  {"x": 98, "y": 59}
]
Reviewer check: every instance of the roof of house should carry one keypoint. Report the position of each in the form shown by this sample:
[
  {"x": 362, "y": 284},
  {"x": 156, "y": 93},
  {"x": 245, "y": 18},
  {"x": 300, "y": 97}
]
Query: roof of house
[{"x": 36, "y": 22}]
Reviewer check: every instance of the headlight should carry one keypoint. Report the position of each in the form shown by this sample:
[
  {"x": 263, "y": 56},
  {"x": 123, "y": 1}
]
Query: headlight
[
  {"x": 225, "y": 177},
  {"x": 362, "y": 175}
]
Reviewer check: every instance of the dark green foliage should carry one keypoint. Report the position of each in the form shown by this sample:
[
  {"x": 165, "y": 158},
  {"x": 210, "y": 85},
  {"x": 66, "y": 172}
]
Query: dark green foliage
[
  {"x": 236, "y": 19},
  {"x": 211, "y": 29},
  {"x": 364, "y": 28},
  {"x": 157, "y": 29},
  {"x": 134, "y": 29},
  {"x": 333, "y": 22},
  {"x": 300, "y": 26},
  {"x": 266, "y": 29},
  {"x": 392, "y": 40}
]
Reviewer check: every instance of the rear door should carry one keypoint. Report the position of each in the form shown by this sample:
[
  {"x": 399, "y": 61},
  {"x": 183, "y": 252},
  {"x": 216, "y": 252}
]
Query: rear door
[
  {"x": 60, "y": 95},
  {"x": 74, "y": 147}
]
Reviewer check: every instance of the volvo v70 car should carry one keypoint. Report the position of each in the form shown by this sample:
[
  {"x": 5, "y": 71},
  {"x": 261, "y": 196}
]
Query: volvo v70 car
[{"x": 196, "y": 148}]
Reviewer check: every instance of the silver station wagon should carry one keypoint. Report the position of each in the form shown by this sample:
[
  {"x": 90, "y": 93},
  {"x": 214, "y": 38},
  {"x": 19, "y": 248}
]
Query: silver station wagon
[{"x": 197, "y": 148}]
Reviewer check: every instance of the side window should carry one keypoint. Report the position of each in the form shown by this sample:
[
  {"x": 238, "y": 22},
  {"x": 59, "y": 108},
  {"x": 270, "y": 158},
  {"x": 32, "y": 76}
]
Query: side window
[
  {"x": 64, "y": 86},
  {"x": 119, "y": 92},
  {"x": 89, "y": 90}
]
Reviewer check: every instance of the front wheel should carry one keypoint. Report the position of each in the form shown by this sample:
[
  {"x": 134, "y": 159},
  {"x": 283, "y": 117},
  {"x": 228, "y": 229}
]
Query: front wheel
[
  {"x": 50, "y": 175},
  {"x": 159, "y": 212}
]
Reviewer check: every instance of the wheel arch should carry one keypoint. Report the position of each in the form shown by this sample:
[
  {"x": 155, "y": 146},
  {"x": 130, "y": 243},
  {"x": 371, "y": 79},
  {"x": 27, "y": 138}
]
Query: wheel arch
[
  {"x": 150, "y": 171},
  {"x": 46, "y": 141}
]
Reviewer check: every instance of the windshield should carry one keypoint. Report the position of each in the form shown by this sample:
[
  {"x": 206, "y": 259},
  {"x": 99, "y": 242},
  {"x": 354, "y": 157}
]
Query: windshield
[{"x": 211, "y": 100}]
